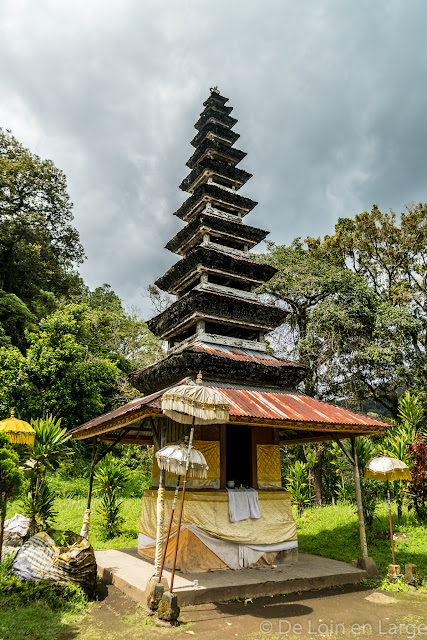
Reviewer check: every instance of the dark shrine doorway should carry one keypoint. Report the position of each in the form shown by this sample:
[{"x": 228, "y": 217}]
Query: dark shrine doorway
[{"x": 239, "y": 455}]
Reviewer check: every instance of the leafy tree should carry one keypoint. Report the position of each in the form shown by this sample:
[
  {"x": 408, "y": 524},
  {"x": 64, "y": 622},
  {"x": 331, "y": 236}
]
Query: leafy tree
[
  {"x": 76, "y": 365},
  {"x": 38, "y": 244},
  {"x": 67, "y": 377},
  {"x": 10, "y": 479},
  {"x": 391, "y": 258},
  {"x": 15, "y": 317},
  {"x": 15, "y": 386},
  {"x": 116, "y": 331},
  {"x": 358, "y": 307}
]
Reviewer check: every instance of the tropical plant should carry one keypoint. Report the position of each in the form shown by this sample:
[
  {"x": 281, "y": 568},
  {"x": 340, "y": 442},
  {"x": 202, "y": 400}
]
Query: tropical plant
[
  {"x": 110, "y": 475},
  {"x": 398, "y": 439},
  {"x": 365, "y": 450},
  {"x": 10, "y": 479},
  {"x": 396, "y": 445},
  {"x": 40, "y": 508},
  {"x": 299, "y": 486},
  {"x": 50, "y": 448},
  {"x": 410, "y": 412}
]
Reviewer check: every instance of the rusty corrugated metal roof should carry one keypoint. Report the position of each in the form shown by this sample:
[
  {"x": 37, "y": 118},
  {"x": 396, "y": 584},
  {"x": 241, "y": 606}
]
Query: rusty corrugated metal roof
[
  {"x": 247, "y": 355},
  {"x": 292, "y": 407},
  {"x": 249, "y": 407},
  {"x": 234, "y": 353}
]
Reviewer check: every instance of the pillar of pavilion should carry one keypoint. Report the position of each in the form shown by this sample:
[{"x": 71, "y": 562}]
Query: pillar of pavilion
[{"x": 217, "y": 325}]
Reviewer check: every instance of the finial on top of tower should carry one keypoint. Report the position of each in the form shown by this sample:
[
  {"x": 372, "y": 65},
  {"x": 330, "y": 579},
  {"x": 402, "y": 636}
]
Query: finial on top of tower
[
  {"x": 214, "y": 89},
  {"x": 199, "y": 378}
]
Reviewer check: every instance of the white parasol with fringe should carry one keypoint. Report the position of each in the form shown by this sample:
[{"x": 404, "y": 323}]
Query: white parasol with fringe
[
  {"x": 386, "y": 468},
  {"x": 173, "y": 458},
  {"x": 194, "y": 404}
]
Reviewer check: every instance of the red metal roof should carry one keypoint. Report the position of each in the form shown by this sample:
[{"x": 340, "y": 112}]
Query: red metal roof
[
  {"x": 233, "y": 353},
  {"x": 247, "y": 355},
  {"x": 292, "y": 407},
  {"x": 250, "y": 407}
]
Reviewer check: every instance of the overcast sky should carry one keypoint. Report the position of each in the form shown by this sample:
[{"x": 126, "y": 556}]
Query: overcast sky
[{"x": 330, "y": 96}]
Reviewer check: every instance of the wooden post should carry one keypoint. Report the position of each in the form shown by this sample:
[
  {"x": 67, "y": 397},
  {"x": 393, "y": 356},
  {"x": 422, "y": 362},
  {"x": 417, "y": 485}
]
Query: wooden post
[
  {"x": 86, "y": 518},
  {"x": 364, "y": 562},
  {"x": 362, "y": 530}
]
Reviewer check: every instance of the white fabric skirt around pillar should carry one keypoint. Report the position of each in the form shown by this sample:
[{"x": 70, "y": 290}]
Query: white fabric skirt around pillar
[{"x": 235, "y": 556}]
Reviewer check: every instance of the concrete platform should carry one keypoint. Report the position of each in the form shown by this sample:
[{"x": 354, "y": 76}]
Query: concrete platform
[{"x": 130, "y": 573}]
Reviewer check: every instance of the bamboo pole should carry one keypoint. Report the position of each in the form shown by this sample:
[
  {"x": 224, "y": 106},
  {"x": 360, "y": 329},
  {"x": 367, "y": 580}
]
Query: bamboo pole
[
  {"x": 182, "y": 504},
  {"x": 391, "y": 522},
  {"x": 169, "y": 528}
]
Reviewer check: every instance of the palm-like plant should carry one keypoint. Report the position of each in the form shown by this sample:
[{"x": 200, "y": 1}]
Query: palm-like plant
[
  {"x": 50, "y": 448},
  {"x": 411, "y": 412},
  {"x": 396, "y": 445},
  {"x": 400, "y": 437},
  {"x": 299, "y": 486},
  {"x": 110, "y": 476}
]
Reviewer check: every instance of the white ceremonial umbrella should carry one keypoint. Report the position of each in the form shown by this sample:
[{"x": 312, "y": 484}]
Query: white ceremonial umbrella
[
  {"x": 385, "y": 468},
  {"x": 173, "y": 458},
  {"x": 193, "y": 404}
]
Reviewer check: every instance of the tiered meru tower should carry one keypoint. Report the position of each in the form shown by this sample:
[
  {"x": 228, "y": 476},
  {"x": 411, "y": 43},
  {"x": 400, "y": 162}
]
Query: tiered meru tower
[{"x": 215, "y": 280}]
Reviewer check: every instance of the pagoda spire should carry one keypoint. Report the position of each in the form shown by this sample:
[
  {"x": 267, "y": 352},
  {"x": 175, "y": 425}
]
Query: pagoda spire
[{"x": 215, "y": 280}]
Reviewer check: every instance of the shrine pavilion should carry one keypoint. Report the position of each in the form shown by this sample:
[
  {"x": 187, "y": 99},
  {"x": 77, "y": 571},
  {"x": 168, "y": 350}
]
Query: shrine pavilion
[{"x": 217, "y": 325}]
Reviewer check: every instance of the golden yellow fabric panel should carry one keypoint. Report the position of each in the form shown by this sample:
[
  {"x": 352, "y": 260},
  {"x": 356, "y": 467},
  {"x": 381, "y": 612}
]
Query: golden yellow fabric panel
[
  {"x": 209, "y": 511},
  {"x": 211, "y": 450},
  {"x": 268, "y": 465}
]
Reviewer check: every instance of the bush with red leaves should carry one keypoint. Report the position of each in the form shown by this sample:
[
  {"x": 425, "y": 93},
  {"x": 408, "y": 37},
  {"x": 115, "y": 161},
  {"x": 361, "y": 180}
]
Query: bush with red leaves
[{"x": 417, "y": 488}]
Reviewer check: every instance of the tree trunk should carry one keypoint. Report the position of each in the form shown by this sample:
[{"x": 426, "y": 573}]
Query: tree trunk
[
  {"x": 3, "y": 518},
  {"x": 317, "y": 476},
  {"x": 399, "y": 511}
]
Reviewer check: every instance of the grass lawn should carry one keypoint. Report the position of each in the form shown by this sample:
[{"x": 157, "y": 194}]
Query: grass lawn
[
  {"x": 333, "y": 532},
  {"x": 330, "y": 531}
]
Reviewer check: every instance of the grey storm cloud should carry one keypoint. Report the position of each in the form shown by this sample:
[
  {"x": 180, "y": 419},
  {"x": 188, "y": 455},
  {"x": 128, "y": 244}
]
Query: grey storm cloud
[{"x": 330, "y": 97}]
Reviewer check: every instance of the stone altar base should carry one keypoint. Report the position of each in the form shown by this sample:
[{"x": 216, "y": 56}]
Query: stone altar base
[{"x": 130, "y": 573}]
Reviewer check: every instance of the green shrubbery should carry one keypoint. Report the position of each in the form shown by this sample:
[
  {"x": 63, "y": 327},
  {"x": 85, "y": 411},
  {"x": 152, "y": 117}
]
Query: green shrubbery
[{"x": 36, "y": 609}]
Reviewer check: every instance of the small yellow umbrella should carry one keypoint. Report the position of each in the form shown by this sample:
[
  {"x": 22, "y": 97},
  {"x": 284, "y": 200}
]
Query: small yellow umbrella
[
  {"x": 19, "y": 431},
  {"x": 385, "y": 468}
]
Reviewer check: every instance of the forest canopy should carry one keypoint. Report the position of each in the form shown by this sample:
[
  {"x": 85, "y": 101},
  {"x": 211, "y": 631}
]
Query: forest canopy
[{"x": 64, "y": 350}]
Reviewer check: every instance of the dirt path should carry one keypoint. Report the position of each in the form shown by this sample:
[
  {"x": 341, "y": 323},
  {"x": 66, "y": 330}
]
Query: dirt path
[{"x": 340, "y": 613}]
